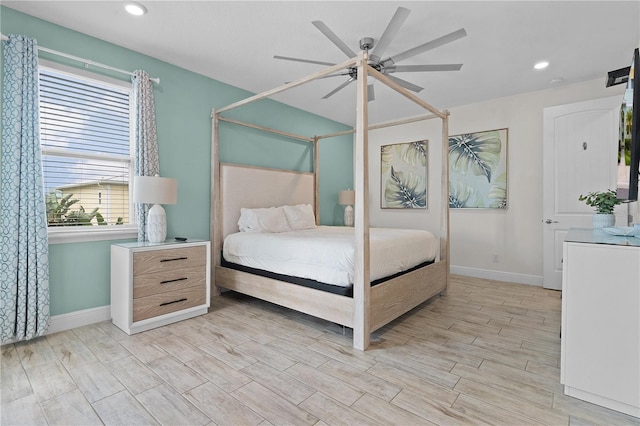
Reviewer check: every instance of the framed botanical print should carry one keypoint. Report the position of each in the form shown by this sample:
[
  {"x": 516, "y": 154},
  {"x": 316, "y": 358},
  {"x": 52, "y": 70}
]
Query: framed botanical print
[
  {"x": 403, "y": 173},
  {"x": 478, "y": 170}
]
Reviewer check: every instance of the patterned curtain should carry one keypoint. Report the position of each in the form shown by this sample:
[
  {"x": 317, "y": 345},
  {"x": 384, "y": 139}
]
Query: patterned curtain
[
  {"x": 146, "y": 161},
  {"x": 24, "y": 249}
]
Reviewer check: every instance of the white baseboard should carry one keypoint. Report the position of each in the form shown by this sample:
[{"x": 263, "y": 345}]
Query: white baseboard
[
  {"x": 78, "y": 319},
  {"x": 497, "y": 275}
]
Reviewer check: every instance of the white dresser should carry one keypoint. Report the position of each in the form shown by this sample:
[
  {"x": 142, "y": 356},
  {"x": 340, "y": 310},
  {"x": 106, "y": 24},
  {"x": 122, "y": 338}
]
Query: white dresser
[
  {"x": 600, "y": 352},
  {"x": 154, "y": 284}
]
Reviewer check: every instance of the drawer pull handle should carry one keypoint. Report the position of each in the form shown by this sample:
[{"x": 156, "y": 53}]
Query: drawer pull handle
[
  {"x": 175, "y": 301},
  {"x": 175, "y": 258},
  {"x": 173, "y": 281}
]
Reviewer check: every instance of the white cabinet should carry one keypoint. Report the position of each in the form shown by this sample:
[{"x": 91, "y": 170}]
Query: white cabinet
[
  {"x": 600, "y": 352},
  {"x": 157, "y": 284}
]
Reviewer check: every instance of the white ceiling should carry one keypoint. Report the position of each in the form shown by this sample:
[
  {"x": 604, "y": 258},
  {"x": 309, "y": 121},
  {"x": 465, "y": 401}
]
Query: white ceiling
[{"x": 234, "y": 42}]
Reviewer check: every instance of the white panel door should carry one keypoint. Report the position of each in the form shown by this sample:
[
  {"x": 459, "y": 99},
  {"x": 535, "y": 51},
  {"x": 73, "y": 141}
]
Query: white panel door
[{"x": 579, "y": 156}]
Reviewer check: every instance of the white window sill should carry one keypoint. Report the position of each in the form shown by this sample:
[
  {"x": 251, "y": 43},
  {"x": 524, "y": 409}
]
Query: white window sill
[{"x": 83, "y": 234}]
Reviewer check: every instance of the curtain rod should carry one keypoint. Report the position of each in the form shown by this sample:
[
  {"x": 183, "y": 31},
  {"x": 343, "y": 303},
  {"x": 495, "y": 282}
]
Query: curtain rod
[{"x": 85, "y": 61}]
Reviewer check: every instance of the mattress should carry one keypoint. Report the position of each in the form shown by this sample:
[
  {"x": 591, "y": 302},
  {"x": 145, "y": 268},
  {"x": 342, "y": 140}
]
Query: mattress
[{"x": 326, "y": 253}]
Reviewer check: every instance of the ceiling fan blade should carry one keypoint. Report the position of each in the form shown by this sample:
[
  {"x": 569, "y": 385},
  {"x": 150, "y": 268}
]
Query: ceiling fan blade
[
  {"x": 448, "y": 38},
  {"x": 309, "y": 61},
  {"x": 334, "y": 38},
  {"x": 390, "y": 32},
  {"x": 337, "y": 89},
  {"x": 420, "y": 68},
  {"x": 406, "y": 84},
  {"x": 371, "y": 94}
]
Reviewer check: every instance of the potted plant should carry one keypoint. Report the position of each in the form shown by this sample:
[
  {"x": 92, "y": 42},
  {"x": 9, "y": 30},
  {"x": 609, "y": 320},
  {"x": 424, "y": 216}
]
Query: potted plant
[{"x": 604, "y": 203}]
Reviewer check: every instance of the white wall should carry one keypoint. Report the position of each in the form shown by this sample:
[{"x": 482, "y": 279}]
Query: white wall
[{"x": 514, "y": 234}]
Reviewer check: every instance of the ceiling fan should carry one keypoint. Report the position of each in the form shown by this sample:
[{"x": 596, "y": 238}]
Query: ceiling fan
[{"x": 377, "y": 60}]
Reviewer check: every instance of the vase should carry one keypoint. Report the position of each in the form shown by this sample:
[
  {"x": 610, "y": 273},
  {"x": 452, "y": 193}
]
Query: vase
[{"x": 603, "y": 220}]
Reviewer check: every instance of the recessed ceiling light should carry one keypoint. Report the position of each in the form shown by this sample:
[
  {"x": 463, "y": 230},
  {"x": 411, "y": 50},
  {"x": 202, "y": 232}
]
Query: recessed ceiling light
[
  {"x": 135, "y": 9},
  {"x": 541, "y": 65}
]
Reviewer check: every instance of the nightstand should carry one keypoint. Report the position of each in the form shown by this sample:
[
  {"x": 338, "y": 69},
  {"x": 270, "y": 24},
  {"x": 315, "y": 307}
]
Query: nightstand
[{"x": 154, "y": 284}]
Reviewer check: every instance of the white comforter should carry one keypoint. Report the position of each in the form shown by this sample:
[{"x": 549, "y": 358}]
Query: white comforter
[{"x": 325, "y": 253}]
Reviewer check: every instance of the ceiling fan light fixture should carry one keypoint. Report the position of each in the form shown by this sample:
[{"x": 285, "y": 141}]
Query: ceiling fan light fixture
[
  {"x": 541, "y": 65},
  {"x": 135, "y": 9}
]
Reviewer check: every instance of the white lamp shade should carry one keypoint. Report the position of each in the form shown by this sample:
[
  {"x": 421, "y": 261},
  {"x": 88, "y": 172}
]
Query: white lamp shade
[
  {"x": 347, "y": 197},
  {"x": 155, "y": 190}
]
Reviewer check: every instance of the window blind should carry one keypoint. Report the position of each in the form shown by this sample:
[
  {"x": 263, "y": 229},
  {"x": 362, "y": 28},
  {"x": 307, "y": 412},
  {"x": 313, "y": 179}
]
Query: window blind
[{"x": 85, "y": 139}]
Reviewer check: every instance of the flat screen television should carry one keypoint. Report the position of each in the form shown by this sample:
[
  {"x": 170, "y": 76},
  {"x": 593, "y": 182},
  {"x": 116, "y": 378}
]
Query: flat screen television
[
  {"x": 629, "y": 152},
  {"x": 634, "y": 83}
]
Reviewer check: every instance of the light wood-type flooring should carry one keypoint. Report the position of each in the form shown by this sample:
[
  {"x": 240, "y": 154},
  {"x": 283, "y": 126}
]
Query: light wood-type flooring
[{"x": 488, "y": 353}]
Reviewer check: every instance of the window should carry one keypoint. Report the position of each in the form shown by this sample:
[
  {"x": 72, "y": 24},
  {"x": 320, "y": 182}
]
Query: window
[{"x": 85, "y": 135}]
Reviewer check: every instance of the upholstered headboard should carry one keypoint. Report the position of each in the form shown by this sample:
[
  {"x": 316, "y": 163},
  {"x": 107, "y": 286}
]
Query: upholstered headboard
[{"x": 253, "y": 187}]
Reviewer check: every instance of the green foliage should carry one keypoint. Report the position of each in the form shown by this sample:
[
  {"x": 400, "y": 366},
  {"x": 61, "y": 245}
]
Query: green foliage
[
  {"x": 81, "y": 218},
  {"x": 624, "y": 143},
  {"x": 604, "y": 202},
  {"x": 628, "y": 120},
  {"x": 627, "y": 152},
  {"x": 100, "y": 219},
  {"x": 59, "y": 212}
]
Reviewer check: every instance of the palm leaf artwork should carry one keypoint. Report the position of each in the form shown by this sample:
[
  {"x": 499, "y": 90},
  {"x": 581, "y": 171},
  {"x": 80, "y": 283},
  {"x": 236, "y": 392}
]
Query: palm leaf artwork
[
  {"x": 405, "y": 192},
  {"x": 478, "y": 170},
  {"x": 404, "y": 175},
  {"x": 414, "y": 153},
  {"x": 478, "y": 153},
  {"x": 386, "y": 157},
  {"x": 498, "y": 192},
  {"x": 462, "y": 195}
]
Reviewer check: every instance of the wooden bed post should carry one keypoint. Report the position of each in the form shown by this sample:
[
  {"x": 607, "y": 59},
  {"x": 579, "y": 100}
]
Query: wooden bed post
[
  {"x": 444, "y": 237},
  {"x": 316, "y": 174},
  {"x": 215, "y": 223},
  {"x": 361, "y": 282}
]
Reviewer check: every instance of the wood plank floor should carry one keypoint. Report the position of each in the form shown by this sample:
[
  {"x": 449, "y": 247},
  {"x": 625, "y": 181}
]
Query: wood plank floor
[{"x": 488, "y": 353}]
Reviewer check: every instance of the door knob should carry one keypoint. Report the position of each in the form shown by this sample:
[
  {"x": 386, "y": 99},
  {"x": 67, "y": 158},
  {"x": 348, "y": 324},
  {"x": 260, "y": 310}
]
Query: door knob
[{"x": 549, "y": 221}]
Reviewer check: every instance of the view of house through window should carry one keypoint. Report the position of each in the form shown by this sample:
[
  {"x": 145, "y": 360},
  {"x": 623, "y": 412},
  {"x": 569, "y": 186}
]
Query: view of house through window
[{"x": 86, "y": 150}]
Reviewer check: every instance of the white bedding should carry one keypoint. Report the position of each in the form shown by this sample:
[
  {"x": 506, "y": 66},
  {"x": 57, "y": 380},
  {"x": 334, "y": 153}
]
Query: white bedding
[{"x": 325, "y": 253}]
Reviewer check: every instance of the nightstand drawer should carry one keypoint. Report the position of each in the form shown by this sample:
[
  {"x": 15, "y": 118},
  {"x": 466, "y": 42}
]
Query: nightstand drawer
[
  {"x": 164, "y": 261},
  {"x": 157, "y": 283},
  {"x": 164, "y": 303}
]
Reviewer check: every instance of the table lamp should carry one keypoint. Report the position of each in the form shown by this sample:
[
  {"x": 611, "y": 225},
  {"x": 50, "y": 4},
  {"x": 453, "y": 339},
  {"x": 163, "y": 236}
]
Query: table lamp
[
  {"x": 347, "y": 198},
  {"x": 155, "y": 190}
]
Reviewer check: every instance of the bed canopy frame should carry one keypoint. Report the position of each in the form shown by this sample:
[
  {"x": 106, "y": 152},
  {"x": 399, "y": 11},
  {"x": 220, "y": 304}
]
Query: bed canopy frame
[{"x": 357, "y": 313}]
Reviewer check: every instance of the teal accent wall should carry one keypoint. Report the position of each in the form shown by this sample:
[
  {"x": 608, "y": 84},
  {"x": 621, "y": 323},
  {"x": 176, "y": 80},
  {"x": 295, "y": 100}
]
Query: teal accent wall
[{"x": 79, "y": 273}]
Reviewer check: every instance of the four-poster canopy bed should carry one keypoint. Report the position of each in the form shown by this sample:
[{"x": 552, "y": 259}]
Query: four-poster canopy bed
[{"x": 234, "y": 187}]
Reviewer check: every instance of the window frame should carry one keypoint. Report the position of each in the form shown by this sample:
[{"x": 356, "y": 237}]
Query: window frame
[{"x": 76, "y": 234}]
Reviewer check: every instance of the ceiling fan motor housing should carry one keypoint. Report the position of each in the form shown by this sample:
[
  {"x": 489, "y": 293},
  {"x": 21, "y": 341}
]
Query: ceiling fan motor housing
[{"x": 366, "y": 43}]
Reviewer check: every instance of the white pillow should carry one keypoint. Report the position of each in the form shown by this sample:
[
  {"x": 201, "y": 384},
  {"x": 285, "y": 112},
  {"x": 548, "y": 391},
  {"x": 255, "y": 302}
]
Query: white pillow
[
  {"x": 300, "y": 216},
  {"x": 270, "y": 219}
]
